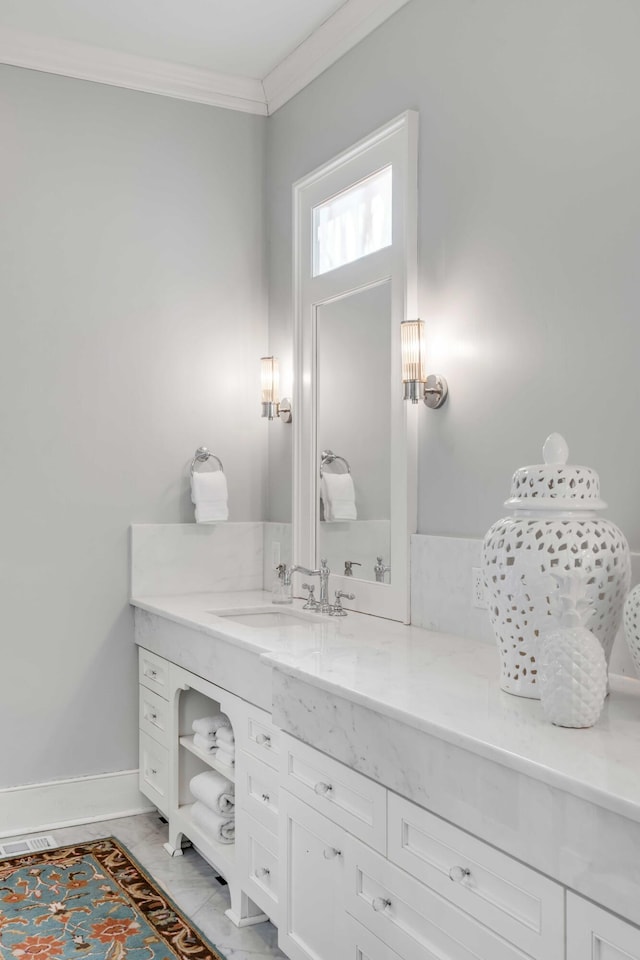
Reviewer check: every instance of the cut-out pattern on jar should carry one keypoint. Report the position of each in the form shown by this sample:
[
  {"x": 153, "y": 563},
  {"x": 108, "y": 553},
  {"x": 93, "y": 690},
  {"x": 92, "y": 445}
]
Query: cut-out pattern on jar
[
  {"x": 632, "y": 625},
  {"x": 554, "y": 529}
]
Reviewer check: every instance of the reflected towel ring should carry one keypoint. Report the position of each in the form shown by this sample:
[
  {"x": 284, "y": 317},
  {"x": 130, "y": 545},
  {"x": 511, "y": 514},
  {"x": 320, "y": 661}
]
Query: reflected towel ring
[
  {"x": 201, "y": 456},
  {"x": 328, "y": 456}
]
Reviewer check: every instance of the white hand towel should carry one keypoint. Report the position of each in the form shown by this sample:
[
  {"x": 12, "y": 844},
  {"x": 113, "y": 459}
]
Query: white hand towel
[
  {"x": 226, "y": 749},
  {"x": 209, "y": 726},
  {"x": 216, "y": 826},
  {"x": 225, "y": 735},
  {"x": 215, "y": 791},
  {"x": 204, "y": 744},
  {"x": 210, "y": 495},
  {"x": 339, "y": 496}
]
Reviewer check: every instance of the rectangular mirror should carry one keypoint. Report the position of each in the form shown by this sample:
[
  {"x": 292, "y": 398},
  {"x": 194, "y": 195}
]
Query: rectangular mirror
[
  {"x": 354, "y": 438},
  {"x": 354, "y": 430}
]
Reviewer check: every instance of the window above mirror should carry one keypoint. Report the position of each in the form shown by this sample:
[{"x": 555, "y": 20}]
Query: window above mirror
[{"x": 354, "y": 223}]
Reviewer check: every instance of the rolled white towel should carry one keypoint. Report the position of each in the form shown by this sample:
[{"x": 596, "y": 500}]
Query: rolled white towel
[
  {"x": 209, "y": 493},
  {"x": 215, "y": 791},
  {"x": 209, "y": 726},
  {"x": 225, "y": 759},
  {"x": 216, "y": 826},
  {"x": 204, "y": 744},
  {"x": 225, "y": 749},
  {"x": 225, "y": 735}
]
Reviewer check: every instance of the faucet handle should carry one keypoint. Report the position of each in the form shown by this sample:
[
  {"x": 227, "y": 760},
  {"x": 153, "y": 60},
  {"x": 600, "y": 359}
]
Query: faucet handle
[
  {"x": 349, "y": 565},
  {"x": 337, "y": 610},
  {"x": 312, "y": 603}
]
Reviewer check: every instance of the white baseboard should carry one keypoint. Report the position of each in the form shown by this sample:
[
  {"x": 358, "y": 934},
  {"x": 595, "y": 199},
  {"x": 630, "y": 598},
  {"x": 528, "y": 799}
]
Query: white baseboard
[{"x": 62, "y": 803}]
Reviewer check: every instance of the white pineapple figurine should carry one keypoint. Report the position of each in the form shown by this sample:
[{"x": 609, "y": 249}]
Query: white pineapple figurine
[{"x": 573, "y": 669}]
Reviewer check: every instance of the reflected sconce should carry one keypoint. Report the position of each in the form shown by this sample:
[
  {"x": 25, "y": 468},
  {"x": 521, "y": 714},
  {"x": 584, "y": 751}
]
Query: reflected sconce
[
  {"x": 272, "y": 405},
  {"x": 431, "y": 389}
]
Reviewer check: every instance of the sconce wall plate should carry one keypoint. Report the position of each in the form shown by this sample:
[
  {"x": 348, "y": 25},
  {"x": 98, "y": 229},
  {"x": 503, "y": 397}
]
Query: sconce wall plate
[{"x": 436, "y": 391}]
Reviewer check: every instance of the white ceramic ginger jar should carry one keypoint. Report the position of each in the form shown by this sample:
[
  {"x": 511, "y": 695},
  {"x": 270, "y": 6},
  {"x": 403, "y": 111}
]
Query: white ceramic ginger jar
[
  {"x": 554, "y": 527},
  {"x": 573, "y": 669},
  {"x": 632, "y": 625}
]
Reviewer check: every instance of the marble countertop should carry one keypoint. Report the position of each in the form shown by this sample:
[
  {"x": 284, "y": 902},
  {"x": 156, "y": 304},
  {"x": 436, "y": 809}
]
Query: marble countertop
[{"x": 444, "y": 685}]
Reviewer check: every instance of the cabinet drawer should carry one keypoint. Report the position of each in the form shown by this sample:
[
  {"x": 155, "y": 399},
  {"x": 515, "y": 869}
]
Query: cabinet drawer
[
  {"x": 362, "y": 945},
  {"x": 258, "y": 853},
  {"x": 154, "y": 673},
  {"x": 257, "y": 790},
  {"x": 154, "y": 715},
  {"x": 596, "y": 934},
  {"x": 412, "y": 919},
  {"x": 516, "y": 902},
  {"x": 259, "y": 736},
  {"x": 348, "y": 798},
  {"x": 154, "y": 772}
]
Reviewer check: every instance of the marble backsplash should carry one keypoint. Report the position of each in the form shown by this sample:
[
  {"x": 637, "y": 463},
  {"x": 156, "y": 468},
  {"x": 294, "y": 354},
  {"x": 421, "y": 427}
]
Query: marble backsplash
[
  {"x": 172, "y": 558},
  {"x": 442, "y": 592}
]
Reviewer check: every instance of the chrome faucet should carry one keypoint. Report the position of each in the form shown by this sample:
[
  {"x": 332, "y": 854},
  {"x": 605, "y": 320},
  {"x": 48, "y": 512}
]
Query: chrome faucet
[
  {"x": 323, "y": 572},
  {"x": 380, "y": 569}
]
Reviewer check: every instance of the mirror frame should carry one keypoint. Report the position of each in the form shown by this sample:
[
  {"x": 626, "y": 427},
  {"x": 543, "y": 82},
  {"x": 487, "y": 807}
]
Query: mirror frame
[{"x": 396, "y": 143}]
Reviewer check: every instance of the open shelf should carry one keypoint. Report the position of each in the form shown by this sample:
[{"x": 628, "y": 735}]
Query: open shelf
[
  {"x": 219, "y": 855},
  {"x": 209, "y": 759}
]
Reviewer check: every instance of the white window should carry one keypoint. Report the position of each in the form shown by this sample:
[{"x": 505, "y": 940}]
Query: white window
[{"x": 353, "y": 224}]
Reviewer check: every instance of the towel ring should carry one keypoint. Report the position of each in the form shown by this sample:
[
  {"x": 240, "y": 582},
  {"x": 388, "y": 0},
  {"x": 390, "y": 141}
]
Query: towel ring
[
  {"x": 328, "y": 456},
  {"x": 201, "y": 456}
]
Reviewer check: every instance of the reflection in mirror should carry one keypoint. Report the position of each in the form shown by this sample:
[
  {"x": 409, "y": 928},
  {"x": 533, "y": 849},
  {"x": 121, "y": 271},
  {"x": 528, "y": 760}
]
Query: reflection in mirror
[{"x": 353, "y": 421}]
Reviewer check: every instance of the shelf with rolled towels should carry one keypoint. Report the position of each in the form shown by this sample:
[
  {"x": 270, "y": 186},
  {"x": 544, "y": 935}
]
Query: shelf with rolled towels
[
  {"x": 209, "y": 492},
  {"x": 337, "y": 490}
]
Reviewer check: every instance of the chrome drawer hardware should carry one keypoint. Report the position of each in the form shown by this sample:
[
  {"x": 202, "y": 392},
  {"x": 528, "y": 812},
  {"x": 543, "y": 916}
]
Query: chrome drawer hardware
[
  {"x": 322, "y": 789},
  {"x": 380, "y": 903},
  {"x": 263, "y": 739},
  {"x": 458, "y": 874},
  {"x": 262, "y": 872},
  {"x": 266, "y": 797},
  {"x": 330, "y": 853}
]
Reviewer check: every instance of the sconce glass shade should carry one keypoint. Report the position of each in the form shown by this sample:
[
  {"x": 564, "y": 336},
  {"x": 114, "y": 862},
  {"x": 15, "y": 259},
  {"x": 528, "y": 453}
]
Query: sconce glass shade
[
  {"x": 412, "y": 346},
  {"x": 270, "y": 384}
]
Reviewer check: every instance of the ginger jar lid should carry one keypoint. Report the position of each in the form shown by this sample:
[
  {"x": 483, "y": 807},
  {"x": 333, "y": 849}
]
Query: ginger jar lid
[{"x": 555, "y": 485}]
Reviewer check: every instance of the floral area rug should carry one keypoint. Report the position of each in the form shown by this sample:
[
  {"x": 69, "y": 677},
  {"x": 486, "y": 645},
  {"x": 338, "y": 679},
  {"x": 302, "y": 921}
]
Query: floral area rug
[{"x": 90, "y": 900}]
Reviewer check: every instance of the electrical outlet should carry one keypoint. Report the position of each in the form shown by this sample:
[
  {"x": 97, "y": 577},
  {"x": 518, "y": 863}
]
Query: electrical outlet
[
  {"x": 275, "y": 553},
  {"x": 478, "y": 597}
]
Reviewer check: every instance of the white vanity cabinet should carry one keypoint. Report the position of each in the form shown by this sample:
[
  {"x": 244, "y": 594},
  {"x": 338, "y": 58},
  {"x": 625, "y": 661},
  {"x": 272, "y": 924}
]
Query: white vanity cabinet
[
  {"x": 312, "y": 916},
  {"x": 154, "y": 735},
  {"x": 596, "y": 934}
]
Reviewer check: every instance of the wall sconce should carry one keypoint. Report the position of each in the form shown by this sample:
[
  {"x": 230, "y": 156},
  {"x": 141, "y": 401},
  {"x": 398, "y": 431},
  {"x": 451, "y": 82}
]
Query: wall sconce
[
  {"x": 272, "y": 405},
  {"x": 433, "y": 390}
]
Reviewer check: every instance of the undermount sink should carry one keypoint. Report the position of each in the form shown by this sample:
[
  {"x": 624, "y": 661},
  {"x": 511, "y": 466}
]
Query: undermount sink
[{"x": 266, "y": 618}]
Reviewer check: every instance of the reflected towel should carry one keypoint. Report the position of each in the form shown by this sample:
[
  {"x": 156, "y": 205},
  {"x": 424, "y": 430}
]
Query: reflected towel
[
  {"x": 209, "y": 726},
  {"x": 339, "y": 496},
  {"x": 210, "y": 495},
  {"x": 215, "y": 791},
  {"x": 215, "y": 826}
]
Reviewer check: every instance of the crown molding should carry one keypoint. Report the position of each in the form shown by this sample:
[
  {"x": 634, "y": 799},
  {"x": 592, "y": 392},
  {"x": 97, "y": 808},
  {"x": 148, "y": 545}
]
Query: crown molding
[
  {"x": 85, "y": 62},
  {"x": 336, "y": 36},
  {"x": 353, "y": 21}
]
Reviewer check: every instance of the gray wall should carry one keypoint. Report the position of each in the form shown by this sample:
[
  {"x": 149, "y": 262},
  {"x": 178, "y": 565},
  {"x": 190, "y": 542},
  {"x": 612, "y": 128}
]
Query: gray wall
[
  {"x": 133, "y": 315},
  {"x": 529, "y": 234}
]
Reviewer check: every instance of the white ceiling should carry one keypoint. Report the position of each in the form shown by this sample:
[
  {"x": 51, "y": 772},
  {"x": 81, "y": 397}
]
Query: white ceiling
[{"x": 257, "y": 52}]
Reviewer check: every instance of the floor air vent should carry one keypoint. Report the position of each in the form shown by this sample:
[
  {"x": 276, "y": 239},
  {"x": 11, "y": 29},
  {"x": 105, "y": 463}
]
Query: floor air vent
[{"x": 14, "y": 848}]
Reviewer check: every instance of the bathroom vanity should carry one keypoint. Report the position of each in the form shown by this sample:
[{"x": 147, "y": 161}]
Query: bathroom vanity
[{"x": 391, "y": 801}]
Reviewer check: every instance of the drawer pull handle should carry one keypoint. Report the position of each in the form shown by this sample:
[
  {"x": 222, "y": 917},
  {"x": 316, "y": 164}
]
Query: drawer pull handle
[
  {"x": 263, "y": 739},
  {"x": 322, "y": 789},
  {"x": 262, "y": 872},
  {"x": 330, "y": 853},
  {"x": 153, "y": 772},
  {"x": 380, "y": 903},
  {"x": 152, "y": 673},
  {"x": 458, "y": 874},
  {"x": 266, "y": 797},
  {"x": 153, "y": 717}
]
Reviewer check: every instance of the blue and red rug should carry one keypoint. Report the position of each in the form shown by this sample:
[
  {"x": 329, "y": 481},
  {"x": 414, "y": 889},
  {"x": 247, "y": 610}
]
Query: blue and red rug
[{"x": 90, "y": 900}]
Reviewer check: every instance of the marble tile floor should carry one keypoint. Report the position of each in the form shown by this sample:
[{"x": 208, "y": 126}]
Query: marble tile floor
[{"x": 188, "y": 880}]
